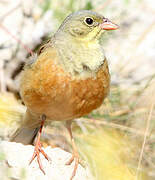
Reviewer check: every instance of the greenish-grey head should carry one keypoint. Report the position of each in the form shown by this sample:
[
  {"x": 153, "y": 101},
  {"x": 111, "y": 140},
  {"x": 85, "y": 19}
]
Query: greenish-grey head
[{"x": 86, "y": 25}]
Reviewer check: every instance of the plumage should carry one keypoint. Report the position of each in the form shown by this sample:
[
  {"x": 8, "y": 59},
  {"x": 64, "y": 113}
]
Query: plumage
[
  {"x": 54, "y": 92},
  {"x": 68, "y": 79}
]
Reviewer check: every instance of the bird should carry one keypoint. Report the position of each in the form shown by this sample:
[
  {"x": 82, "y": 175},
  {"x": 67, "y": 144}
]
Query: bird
[{"x": 67, "y": 79}]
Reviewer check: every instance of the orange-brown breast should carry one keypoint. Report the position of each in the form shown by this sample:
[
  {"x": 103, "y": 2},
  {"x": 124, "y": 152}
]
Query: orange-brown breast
[{"x": 47, "y": 89}]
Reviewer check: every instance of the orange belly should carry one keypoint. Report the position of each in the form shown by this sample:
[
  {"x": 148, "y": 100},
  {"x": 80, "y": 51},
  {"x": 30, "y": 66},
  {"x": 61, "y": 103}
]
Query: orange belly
[{"x": 47, "y": 89}]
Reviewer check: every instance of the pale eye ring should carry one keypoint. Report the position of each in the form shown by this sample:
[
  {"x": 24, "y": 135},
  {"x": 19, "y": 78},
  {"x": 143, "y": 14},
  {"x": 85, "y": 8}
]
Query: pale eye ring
[{"x": 89, "y": 21}]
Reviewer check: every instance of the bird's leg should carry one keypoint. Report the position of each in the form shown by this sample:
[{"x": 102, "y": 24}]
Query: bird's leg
[
  {"x": 75, "y": 154},
  {"x": 38, "y": 147}
]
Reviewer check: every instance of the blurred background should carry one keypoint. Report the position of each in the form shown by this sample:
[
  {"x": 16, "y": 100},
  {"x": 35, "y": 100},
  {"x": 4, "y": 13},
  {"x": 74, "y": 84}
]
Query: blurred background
[{"x": 117, "y": 141}]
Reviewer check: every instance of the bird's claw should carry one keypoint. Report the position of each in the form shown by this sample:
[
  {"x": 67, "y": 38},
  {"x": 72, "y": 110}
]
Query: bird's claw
[
  {"x": 38, "y": 149},
  {"x": 75, "y": 157}
]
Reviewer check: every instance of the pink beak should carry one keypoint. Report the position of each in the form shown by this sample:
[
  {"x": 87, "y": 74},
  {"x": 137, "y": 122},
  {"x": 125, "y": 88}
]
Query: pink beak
[{"x": 108, "y": 25}]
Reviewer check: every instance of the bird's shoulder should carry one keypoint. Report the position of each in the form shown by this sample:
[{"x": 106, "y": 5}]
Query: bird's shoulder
[{"x": 46, "y": 53}]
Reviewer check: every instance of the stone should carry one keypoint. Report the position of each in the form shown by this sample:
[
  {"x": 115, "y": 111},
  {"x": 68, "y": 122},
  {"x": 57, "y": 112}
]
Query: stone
[{"x": 16, "y": 158}]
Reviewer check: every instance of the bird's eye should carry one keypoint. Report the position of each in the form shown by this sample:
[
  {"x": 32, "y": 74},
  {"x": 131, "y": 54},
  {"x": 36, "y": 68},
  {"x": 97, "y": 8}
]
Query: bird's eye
[{"x": 89, "y": 21}]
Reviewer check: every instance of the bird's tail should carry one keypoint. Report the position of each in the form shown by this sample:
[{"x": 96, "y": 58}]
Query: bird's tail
[
  {"x": 24, "y": 135},
  {"x": 27, "y": 131}
]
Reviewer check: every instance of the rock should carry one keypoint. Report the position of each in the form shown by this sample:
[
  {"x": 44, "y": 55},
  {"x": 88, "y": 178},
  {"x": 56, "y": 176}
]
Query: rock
[{"x": 16, "y": 159}]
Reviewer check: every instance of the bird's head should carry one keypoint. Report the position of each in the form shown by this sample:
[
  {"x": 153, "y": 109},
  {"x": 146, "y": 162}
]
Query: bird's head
[{"x": 86, "y": 25}]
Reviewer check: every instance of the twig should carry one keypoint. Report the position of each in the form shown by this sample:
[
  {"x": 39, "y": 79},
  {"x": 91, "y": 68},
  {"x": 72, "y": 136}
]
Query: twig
[
  {"x": 83, "y": 128},
  {"x": 144, "y": 141},
  {"x": 18, "y": 40},
  {"x": 149, "y": 161},
  {"x": 137, "y": 44},
  {"x": 117, "y": 126},
  {"x": 9, "y": 12},
  {"x": 143, "y": 35}
]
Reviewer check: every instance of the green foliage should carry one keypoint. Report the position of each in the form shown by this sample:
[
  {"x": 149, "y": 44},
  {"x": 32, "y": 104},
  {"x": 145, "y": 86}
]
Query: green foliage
[
  {"x": 62, "y": 8},
  {"x": 2, "y": 156},
  {"x": 126, "y": 1},
  {"x": 88, "y": 6},
  {"x": 115, "y": 96},
  {"x": 45, "y": 5}
]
